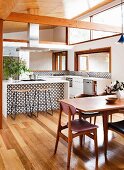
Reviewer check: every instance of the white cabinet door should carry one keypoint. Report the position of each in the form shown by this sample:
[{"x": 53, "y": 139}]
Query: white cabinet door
[{"x": 77, "y": 86}]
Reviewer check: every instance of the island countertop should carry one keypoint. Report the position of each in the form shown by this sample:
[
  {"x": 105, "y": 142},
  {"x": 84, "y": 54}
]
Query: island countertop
[
  {"x": 59, "y": 90},
  {"x": 35, "y": 82}
]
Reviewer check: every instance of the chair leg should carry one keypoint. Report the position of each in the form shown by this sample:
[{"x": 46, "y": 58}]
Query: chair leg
[
  {"x": 57, "y": 141},
  {"x": 81, "y": 139},
  {"x": 72, "y": 117},
  {"x": 69, "y": 153},
  {"x": 96, "y": 145},
  {"x": 111, "y": 118},
  {"x": 90, "y": 120},
  {"x": 94, "y": 120}
]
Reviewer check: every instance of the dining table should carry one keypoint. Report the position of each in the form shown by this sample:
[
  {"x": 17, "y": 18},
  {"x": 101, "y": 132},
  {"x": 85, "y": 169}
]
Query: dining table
[{"x": 97, "y": 104}]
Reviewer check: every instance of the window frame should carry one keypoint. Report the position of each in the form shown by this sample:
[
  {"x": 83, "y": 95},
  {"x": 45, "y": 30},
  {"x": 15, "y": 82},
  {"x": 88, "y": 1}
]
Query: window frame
[
  {"x": 79, "y": 56},
  {"x": 98, "y": 50},
  {"x": 55, "y": 60},
  {"x": 91, "y": 31}
]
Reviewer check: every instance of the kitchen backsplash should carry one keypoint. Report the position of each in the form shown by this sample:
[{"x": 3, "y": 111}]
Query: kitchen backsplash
[
  {"x": 100, "y": 74},
  {"x": 75, "y": 73}
]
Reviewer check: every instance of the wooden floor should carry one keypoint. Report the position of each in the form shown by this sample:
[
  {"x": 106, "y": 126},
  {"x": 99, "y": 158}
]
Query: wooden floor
[{"x": 28, "y": 143}]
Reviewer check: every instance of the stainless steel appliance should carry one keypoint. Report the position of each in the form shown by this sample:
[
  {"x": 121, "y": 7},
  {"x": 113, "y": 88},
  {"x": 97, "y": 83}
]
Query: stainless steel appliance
[
  {"x": 70, "y": 81},
  {"x": 90, "y": 87}
]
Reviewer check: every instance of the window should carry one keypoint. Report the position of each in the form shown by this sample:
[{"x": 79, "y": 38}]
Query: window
[
  {"x": 95, "y": 60},
  {"x": 59, "y": 61},
  {"x": 100, "y": 34},
  {"x": 77, "y": 35},
  {"x": 109, "y": 17},
  {"x": 82, "y": 63}
]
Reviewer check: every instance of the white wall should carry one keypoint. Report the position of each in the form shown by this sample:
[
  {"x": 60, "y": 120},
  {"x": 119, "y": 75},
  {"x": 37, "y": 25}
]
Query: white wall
[
  {"x": 16, "y": 35},
  {"x": 41, "y": 61},
  {"x": 46, "y": 35},
  {"x": 59, "y": 34},
  {"x": 10, "y": 51},
  {"x": 117, "y": 52}
]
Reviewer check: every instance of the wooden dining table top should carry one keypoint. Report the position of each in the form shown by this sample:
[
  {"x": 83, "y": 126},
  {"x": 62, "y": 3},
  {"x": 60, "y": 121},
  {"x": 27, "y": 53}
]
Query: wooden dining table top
[{"x": 92, "y": 104}]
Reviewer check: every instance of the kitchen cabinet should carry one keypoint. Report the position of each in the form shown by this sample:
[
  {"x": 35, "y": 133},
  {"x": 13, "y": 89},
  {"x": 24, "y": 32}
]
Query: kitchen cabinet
[
  {"x": 76, "y": 85},
  {"x": 96, "y": 87}
]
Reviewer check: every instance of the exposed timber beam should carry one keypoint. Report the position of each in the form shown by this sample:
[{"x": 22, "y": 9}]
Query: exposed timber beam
[
  {"x": 45, "y": 20},
  {"x": 15, "y": 40},
  {"x": 106, "y": 2},
  {"x": 6, "y": 7},
  {"x": 1, "y": 68}
]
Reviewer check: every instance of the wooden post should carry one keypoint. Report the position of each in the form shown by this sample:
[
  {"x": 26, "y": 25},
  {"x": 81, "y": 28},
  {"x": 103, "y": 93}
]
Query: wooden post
[{"x": 1, "y": 68}]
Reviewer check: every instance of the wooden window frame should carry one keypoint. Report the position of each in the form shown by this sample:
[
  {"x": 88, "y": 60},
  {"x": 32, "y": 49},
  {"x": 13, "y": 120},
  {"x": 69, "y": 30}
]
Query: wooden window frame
[
  {"x": 98, "y": 50},
  {"x": 91, "y": 31},
  {"x": 55, "y": 61}
]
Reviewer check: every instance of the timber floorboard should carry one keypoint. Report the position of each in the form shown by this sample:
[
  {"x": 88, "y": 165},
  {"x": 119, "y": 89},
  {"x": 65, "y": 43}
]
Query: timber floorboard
[{"x": 28, "y": 143}]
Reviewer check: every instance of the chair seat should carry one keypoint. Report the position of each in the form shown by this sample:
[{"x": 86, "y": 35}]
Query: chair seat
[
  {"x": 82, "y": 125},
  {"x": 118, "y": 126}
]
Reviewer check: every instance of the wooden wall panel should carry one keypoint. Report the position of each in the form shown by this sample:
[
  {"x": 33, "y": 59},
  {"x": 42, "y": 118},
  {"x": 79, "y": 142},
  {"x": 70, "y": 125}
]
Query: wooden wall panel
[{"x": 1, "y": 68}]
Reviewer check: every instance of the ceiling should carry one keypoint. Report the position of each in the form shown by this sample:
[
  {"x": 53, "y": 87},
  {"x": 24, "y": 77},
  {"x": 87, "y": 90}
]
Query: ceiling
[{"x": 56, "y": 8}]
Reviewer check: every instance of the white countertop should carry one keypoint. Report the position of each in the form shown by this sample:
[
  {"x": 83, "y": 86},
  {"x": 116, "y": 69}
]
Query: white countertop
[
  {"x": 53, "y": 79},
  {"x": 35, "y": 82}
]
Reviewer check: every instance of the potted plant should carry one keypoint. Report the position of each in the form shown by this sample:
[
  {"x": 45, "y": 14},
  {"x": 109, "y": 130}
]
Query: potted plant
[
  {"x": 116, "y": 87},
  {"x": 13, "y": 67}
]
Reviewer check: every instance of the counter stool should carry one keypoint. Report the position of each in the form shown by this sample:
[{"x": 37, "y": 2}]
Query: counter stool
[
  {"x": 47, "y": 97},
  {"x": 16, "y": 105}
]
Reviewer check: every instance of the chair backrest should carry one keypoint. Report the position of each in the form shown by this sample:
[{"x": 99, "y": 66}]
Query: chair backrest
[
  {"x": 65, "y": 108},
  {"x": 117, "y": 126}
]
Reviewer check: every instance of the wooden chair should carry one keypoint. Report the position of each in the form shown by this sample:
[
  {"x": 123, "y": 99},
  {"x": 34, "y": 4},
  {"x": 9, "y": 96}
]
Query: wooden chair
[
  {"x": 88, "y": 115},
  {"x": 117, "y": 127},
  {"x": 77, "y": 127}
]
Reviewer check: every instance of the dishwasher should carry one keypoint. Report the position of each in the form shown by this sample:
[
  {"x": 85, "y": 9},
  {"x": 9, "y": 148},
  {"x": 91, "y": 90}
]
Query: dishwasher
[{"x": 89, "y": 87}]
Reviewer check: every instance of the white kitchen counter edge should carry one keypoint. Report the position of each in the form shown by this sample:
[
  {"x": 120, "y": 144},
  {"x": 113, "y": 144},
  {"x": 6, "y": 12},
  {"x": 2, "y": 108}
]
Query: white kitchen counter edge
[{"x": 35, "y": 82}]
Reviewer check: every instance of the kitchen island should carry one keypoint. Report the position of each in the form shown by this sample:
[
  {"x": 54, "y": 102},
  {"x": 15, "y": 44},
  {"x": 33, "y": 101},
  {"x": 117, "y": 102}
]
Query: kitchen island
[{"x": 59, "y": 90}]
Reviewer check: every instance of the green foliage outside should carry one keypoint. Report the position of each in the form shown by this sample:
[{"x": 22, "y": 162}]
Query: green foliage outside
[{"x": 13, "y": 67}]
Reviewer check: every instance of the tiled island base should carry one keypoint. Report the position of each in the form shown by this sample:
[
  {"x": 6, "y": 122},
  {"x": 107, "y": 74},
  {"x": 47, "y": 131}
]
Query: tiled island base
[{"x": 58, "y": 91}]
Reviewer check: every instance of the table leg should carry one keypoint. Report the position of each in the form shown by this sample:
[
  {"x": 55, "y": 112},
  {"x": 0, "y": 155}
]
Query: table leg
[{"x": 105, "y": 128}]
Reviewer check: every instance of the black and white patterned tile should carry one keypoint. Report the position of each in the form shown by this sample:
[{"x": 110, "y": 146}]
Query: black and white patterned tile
[
  {"x": 76, "y": 73},
  {"x": 56, "y": 93}
]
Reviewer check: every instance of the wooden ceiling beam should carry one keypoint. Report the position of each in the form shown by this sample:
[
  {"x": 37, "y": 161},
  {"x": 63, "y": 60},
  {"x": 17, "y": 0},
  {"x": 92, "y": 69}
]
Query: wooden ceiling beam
[
  {"x": 45, "y": 20},
  {"x": 6, "y": 7},
  {"x": 15, "y": 40},
  {"x": 106, "y": 2}
]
